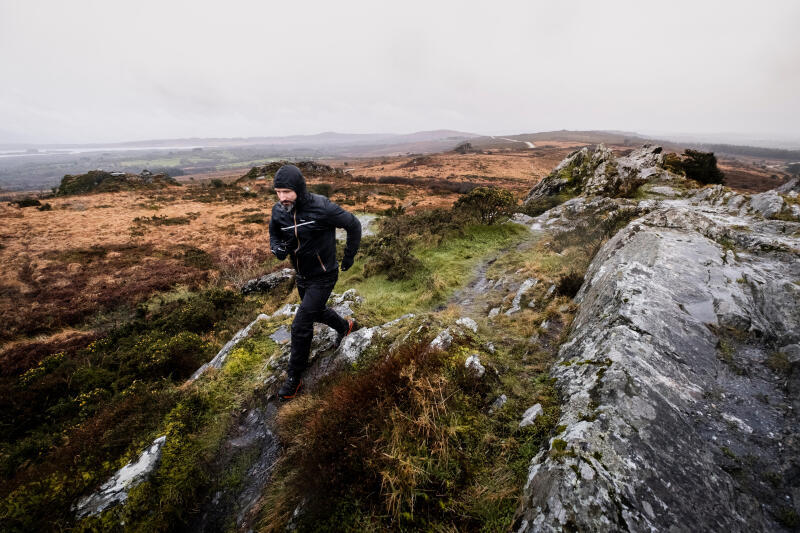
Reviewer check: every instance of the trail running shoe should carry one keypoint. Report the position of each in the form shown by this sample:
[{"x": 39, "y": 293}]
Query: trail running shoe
[
  {"x": 290, "y": 387},
  {"x": 352, "y": 325}
]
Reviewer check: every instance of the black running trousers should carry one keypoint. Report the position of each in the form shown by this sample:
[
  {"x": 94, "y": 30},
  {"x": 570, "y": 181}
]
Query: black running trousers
[{"x": 314, "y": 294}]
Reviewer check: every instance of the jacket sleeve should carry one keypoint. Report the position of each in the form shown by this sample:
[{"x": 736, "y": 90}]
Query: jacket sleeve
[
  {"x": 342, "y": 219},
  {"x": 276, "y": 244}
]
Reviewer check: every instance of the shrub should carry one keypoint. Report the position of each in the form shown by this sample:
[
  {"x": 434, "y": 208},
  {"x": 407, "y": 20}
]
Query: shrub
[
  {"x": 591, "y": 232},
  {"x": 162, "y": 220},
  {"x": 569, "y": 284},
  {"x": 217, "y": 183},
  {"x": 487, "y": 204},
  {"x": 27, "y": 202},
  {"x": 673, "y": 163},
  {"x": 387, "y": 441},
  {"x": 45, "y": 207},
  {"x": 702, "y": 167},
  {"x": 536, "y": 207},
  {"x": 699, "y": 166},
  {"x": 391, "y": 254},
  {"x": 325, "y": 189}
]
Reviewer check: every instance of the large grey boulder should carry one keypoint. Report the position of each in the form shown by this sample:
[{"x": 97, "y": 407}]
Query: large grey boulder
[{"x": 674, "y": 417}]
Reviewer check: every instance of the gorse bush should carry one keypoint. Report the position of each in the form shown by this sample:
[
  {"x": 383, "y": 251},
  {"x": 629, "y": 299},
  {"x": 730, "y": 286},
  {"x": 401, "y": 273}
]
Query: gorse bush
[
  {"x": 399, "y": 232},
  {"x": 536, "y": 207},
  {"x": 390, "y": 252},
  {"x": 325, "y": 189},
  {"x": 696, "y": 165},
  {"x": 702, "y": 167},
  {"x": 486, "y": 204}
]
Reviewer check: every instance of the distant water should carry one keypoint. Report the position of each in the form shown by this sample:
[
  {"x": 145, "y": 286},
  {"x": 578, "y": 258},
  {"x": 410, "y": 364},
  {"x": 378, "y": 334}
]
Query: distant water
[{"x": 83, "y": 150}]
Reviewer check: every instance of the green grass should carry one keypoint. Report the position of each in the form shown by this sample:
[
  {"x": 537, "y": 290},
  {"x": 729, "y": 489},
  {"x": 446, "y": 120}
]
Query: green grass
[{"x": 446, "y": 267}]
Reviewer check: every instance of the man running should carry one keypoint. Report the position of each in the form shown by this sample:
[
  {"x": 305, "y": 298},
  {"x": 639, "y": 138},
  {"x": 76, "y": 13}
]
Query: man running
[{"x": 303, "y": 226}]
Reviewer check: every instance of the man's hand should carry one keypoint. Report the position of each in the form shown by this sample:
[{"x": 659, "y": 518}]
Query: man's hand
[
  {"x": 279, "y": 249},
  {"x": 347, "y": 262}
]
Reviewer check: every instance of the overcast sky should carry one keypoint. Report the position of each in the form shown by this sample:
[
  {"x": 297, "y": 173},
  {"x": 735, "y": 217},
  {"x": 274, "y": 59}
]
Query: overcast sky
[{"x": 113, "y": 70}]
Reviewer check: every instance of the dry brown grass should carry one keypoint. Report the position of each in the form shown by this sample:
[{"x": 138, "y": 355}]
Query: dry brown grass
[{"x": 82, "y": 257}]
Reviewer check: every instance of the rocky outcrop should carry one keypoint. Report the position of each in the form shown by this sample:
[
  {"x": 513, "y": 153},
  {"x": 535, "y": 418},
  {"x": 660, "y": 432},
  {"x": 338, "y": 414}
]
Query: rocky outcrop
[
  {"x": 596, "y": 171},
  {"x": 308, "y": 168},
  {"x": 102, "y": 181},
  {"x": 678, "y": 379}
]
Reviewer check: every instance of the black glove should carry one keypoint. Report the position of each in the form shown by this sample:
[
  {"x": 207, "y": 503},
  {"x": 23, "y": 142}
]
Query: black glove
[
  {"x": 279, "y": 249},
  {"x": 347, "y": 262}
]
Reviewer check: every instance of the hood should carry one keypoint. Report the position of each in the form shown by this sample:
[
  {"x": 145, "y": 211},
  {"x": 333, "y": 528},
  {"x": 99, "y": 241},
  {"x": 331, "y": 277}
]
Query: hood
[{"x": 290, "y": 177}]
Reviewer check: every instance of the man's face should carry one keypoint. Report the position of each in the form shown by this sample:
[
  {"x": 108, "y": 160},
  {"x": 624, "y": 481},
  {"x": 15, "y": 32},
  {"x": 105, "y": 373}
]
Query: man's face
[{"x": 286, "y": 197}]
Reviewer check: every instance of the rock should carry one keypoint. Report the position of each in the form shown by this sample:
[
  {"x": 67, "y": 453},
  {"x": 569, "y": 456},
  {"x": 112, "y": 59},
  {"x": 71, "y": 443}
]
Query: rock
[
  {"x": 498, "y": 403},
  {"x": 341, "y": 302},
  {"x": 368, "y": 223},
  {"x": 527, "y": 285},
  {"x": 473, "y": 363},
  {"x": 664, "y": 383},
  {"x": 494, "y": 312},
  {"x": 219, "y": 359},
  {"x": 281, "y": 335},
  {"x": 767, "y": 203},
  {"x": 530, "y": 415},
  {"x": 793, "y": 185},
  {"x": 595, "y": 171},
  {"x": 792, "y": 353},
  {"x": 354, "y": 344},
  {"x": 468, "y": 323},
  {"x": 116, "y": 489},
  {"x": 285, "y": 310},
  {"x": 664, "y": 190},
  {"x": 443, "y": 340},
  {"x": 282, "y": 278}
]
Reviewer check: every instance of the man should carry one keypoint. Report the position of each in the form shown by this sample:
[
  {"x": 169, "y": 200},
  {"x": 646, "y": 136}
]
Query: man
[{"x": 303, "y": 226}]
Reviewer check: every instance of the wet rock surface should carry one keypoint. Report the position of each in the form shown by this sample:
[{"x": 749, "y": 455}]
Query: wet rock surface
[
  {"x": 116, "y": 489},
  {"x": 678, "y": 405}
]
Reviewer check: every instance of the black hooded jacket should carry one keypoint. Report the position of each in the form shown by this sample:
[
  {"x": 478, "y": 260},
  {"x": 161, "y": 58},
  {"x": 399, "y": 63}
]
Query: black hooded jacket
[{"x": 307, "y": 233}]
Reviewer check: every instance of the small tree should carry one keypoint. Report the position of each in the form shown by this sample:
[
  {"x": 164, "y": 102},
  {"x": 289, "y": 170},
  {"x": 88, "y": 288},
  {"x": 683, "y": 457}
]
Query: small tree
[
  {"x": 701, "y": 167},
  {"x": 486, "y": 203}
]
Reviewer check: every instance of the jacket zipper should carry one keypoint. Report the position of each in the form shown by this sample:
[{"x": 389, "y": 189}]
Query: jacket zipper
[
  {"x": 321, "y": 263},
  {"x": 296, "y": 255}
]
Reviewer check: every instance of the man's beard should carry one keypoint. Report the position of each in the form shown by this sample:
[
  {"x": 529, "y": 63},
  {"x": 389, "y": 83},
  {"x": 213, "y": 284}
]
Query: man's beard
[{"x": 288, "y": 206}]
